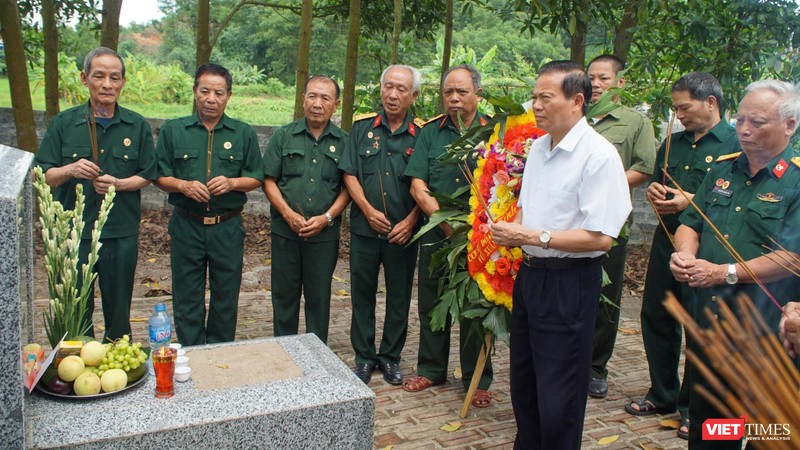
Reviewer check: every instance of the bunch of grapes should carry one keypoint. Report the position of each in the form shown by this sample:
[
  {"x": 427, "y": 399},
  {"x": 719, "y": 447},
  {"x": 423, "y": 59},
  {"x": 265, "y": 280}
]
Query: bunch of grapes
[{"x": 121, "y": 354}]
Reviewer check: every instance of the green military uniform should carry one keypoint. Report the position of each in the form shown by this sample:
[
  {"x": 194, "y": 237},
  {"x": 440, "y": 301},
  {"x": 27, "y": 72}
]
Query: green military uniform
[
  {"x": 688, "y": 164},
  {"x": 306, "y": 172},
  {"x": 378, "y": 158},
  {"x": 632, "y": 134},
  {"x": 207, "y": 236},
  {"x": 125, "y": 148},
  {"x": 748, "y": 210},
  {"x": 434, "y": 346}
]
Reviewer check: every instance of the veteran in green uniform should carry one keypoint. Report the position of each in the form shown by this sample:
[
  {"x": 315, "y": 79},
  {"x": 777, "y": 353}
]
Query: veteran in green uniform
[
  {"x": 207, "y": 163},
  {"x": 99, "y": 145},
  {"x": 304, "y": 185},
  {"x": 751, "y": 198},
  {"x": 460, "y": 90},
  {"x": 697, "y": 99},
  {"x": 383, "y": 221},
  {"x": 632, "y": 134}
]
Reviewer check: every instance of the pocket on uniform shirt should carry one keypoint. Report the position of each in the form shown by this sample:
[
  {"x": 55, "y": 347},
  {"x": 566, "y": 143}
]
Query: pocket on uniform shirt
[
  {"x": 72, "y": 153},
  {"x": 368, "y": 157},
  {"x": 126, "y": 161},
  {"x": 765, "y": 220},
  {"x": 330, "y": 168},
  {"x": 230, "y": 162},
  {"x": 185, "y": 163},
  {"x": 293, "y": 162}
]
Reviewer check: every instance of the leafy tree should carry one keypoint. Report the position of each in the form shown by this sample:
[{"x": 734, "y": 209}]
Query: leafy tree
[
  {"x": 11, "y": 31},
  {"x": 350, "y": 64}
]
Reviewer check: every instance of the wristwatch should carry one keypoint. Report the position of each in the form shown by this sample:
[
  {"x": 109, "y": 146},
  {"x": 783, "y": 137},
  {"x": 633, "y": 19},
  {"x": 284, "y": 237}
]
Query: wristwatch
[
  {"x": 330, "y": 219},
  {"x": 544, "y": 239},
  {"x": 731, "y": 277}
]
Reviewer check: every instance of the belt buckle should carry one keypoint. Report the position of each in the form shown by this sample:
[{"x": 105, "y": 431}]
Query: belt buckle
[{"x": 211, "y": 220}]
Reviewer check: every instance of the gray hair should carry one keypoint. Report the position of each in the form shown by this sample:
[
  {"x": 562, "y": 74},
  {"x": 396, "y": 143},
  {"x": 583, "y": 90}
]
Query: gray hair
[
  {"x": 100, "y": 51},
  {"x": 416, "y": 75},
  {"x": 473, "y": 73},
  {"x": 789, "y": 104}
]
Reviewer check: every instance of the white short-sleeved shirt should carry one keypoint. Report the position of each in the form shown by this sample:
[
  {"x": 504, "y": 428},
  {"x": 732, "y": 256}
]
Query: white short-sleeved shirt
[{"x": 580, "y": 184}]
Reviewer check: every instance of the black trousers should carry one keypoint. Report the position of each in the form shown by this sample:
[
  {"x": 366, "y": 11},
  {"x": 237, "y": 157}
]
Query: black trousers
[{"x": 552, "y": 325}]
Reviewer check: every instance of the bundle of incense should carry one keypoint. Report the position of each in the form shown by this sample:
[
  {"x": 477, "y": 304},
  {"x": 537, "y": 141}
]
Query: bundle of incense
[
  {"x": 667, "y": 145},
  {"x": 748, "y": 370},
  {"x": 660, "y": 220},
  {"x": 383, "y": 195},
  {"x": 476, "y": 189}
]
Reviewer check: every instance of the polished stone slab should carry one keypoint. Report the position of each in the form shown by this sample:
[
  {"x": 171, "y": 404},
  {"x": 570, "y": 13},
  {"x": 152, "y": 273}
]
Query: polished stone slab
[
  {"x": 328, "y": 407},
  {"x": 16, "y": 306}
]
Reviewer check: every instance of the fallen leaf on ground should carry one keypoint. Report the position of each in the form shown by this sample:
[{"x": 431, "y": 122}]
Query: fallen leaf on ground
[
  {"x": 341, "y": 292},
  {"x": 268, "y": 262},
  {"x": 152, "y": 260},
  {"x": 339, "y": 279},
  {"x": 628, "y": 331},
  {"x": 457, "y": 373},
  {"x": 650, "y": 446},
  {"x": 146, "y": 280},
  {"x": 669, "y": 423},
  {"x": 451, "y": 426},
  {"x": 608, "y": 440},
  {"x": 222, "y": 366},
  {"x": 388, "y": 447},
  {"x": 157, "y": 293}
]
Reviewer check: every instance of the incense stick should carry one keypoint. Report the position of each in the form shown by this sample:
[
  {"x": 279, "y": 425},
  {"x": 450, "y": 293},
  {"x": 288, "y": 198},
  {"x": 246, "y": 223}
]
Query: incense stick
[
  {"x": 476, "y": 191},
  {"x": 660, "y": 220},
  {"x": 383, "y": 195},
  {"x": 667, "y": 147}
]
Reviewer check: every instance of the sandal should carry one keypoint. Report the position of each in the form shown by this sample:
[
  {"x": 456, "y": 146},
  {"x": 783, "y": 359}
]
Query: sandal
[
  {"x": 646, "y": 408},
  {"x": 419, "y": 383},
  {"x": 482, "y": 399},
  {"x": 684, "y": 424}
]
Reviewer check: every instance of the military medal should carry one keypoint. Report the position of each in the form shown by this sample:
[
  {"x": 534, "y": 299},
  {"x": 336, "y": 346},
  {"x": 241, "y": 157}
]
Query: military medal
[
  {"x": 721, "y": 187},
  {"x": 332, "y": 149},
  {"x": 726, "y": 184},
  {"x": 369, "y": 135},
  {"x": 719, "y": 182},
  {"x": 227, "y": 145},
  {"x": 769, "y": 197},
  {"x": 126, "y": 142},
  {"x": 709, "y": 158}
]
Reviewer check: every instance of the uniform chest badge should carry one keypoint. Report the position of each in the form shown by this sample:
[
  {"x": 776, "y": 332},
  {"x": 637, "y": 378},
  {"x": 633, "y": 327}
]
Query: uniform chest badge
[
  {"x": 332, "y": 149},
  {"x": 769, "y": 197},
  {"x": 227, "y": 145},
  {"x": 709, "y": 158},
  {"x": 369, "y": 135},
  {"x": 721, "y": 187},
  {"x": 126, "y": 142},
  {"x": 409, "y": 151}
]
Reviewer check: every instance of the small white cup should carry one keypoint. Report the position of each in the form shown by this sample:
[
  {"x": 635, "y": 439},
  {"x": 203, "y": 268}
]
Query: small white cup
[
  {"x": 175, "y": 345},
  {"x": 183, "y": 373},
  {"x": 182, "y": 361},
  {"x": 181, "y": 352}
]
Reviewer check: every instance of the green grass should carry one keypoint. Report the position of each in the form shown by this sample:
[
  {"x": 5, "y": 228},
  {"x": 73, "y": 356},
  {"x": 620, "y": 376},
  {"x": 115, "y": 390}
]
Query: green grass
[{"x": 255, "y": 110}]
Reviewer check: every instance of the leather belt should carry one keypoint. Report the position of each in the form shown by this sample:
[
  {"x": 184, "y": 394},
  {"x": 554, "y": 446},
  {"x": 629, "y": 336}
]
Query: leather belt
[
  {"x": 557, "y": 263},
  {"x": 209, "y": 220}
]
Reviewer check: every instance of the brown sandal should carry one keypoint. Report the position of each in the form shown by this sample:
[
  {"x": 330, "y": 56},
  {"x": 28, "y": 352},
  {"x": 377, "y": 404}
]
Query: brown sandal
[
  {"x": 419, "y": 383},
  {"x": 482, "y": 399}
]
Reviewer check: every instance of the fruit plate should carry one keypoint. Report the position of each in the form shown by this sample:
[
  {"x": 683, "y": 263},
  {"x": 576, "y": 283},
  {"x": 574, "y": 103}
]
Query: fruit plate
[{"x": 43, "y": 388}]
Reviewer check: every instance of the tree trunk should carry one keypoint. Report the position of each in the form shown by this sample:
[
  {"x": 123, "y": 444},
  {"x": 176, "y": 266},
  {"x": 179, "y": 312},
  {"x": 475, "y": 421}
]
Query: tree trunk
[
  {"x": 303, "y": 52},
  {"x": 577, "y": 49},
  {"x": 351, "y": 62},
  {"x": 11, "y": 31},
  {"x": 623, "y": 35},
  {"x": 447, "y": 47},
  {"x": 50, "y": 30},
  {"x": 109, "y": 33},
  {"x": 398, "y": 27},
  {"x": 203, "y": 50}
]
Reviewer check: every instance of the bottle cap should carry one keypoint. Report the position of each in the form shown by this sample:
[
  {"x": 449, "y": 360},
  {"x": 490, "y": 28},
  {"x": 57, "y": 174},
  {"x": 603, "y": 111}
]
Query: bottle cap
[{"x": 160, "y": 307}]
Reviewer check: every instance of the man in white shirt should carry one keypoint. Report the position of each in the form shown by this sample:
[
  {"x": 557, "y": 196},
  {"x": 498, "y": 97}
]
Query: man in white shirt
[{"x": 574, "y": 202}]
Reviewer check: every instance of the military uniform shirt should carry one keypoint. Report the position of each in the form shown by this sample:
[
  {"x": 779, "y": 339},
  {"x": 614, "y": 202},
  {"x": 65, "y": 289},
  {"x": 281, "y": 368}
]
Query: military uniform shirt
[
  {"x": 184, "y": 153},
  {"x": 125, "y": 148},
  {"x": 690, "y": 161},
  {"x": 749, "y": 211},
  {"x": 425, "y": 162},
  {"x": 378, "y": 158},
  {"x": 307, "y": 173}
]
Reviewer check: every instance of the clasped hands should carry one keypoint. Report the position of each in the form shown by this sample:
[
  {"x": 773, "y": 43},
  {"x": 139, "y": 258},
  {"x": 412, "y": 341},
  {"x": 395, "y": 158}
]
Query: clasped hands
[
  {"x": 399, "y": 234},
  {"x": 790, "y": 328},
  {"x": 87, "y": 170},
  {"x": 202, "y": 193},
  {"x": 697, "y": 272},
  {"x": 658, "y": 194}
]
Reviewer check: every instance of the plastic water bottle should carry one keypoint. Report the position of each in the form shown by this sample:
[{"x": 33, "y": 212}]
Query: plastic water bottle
[{"x": 160, "y": 330}]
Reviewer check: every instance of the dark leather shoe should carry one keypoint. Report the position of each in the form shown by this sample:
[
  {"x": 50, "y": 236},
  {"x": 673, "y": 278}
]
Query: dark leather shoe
[
  {"x": 598, "y": 388},
  {"x": 364, "y": 371},
  {"x": 392, "y": 373}
]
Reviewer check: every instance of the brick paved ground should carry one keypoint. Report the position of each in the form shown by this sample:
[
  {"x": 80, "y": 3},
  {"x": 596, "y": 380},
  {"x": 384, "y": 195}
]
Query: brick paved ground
[{"x": 413, "y": 420}]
